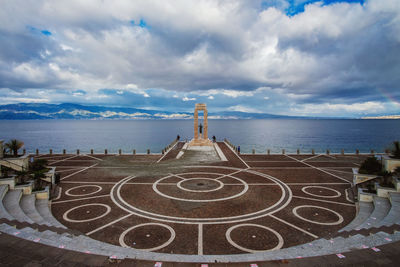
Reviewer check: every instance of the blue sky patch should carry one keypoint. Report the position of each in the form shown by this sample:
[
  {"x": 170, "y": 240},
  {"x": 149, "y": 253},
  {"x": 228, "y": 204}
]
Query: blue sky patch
[{"x": 46, "y": 32}]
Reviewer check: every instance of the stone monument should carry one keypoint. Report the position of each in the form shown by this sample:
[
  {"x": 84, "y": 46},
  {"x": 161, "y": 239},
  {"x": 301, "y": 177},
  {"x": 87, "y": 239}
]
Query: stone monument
[{"x": 200, "y": 131}]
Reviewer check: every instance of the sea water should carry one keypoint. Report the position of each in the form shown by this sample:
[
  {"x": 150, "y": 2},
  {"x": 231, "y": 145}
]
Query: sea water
[{"x": 273, "y": 134}]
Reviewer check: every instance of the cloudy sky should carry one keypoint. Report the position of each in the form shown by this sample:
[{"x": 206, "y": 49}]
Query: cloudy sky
[{"x": 290, "y": 57}]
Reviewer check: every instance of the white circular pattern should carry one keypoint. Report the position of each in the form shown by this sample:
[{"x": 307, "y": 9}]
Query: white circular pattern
[
  {"x": 171, "y": 230},
  {"x": 245, "y": 188},
  {"x": 81, "y": 195},
  {"x": 65, "y": 216},
  {"x": 200, "y": 191},
  {"x": 233, "y": 243},
  {"x": 339, "y": 221},
  {"x": 304, "y": 189},
  {"x": 280, "y": 204}
]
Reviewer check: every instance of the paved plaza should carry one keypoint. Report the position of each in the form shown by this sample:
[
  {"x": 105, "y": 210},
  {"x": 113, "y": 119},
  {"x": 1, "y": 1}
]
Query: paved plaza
[{"x": 247, "y": 204}]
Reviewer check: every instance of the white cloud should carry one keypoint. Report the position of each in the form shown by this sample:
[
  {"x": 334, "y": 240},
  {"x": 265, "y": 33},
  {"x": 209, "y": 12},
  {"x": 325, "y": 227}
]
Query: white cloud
[{"x": 188, "y": 99}]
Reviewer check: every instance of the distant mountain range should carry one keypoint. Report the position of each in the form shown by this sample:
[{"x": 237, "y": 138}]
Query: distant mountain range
[{"x": 32, "y": 111}]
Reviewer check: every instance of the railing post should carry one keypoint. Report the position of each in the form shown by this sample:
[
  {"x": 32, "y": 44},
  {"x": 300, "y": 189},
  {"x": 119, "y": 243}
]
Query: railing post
[
  {"x": 134, "y": 152},
  {"x": 64, "y": 152},
  {"x": 254, "y": 151},
  {"x": 268, "y": 151},
  {"x": 328, "y": 152},
  {"x": 357, "y": 151},
  {"x": 120, "y": 151},
  {"x": 313, "y": 151},
  {"x": 298, "y": 151},
  {"x": 37, "y": 152},
  {"x": 77, "y": 151},
  {"x": 91, "y": 151},
  {"x": 51, "y": 151},
  {"x": 283, "y": 151},
  {"x": 105, "y": 152},
  {"x": 342, "y": 152},
  {"x": 148, "y": 151}
]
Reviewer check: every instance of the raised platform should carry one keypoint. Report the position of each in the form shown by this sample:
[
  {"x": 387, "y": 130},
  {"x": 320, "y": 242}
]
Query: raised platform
[{"x": 200, "y": 142}]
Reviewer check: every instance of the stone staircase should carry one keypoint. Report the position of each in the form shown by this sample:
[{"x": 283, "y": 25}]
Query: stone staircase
[{"x": 26, "y": 217}]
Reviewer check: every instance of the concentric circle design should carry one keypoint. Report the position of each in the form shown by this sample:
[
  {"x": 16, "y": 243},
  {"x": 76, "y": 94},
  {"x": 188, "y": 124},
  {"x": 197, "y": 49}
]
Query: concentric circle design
[
  {"x": 245, "y": 188},
  {"x": 304, "y": 189},
  {"x": 220, "y": 185},
  {"x": 339, "y": 221},
  {"x": 65, "y": 216},
  {"x": 171, "y": 230},
  {"x": 68, "y": 192},
  {"x": 236, "y": 245},
  {"x": 280, "y": 203}
]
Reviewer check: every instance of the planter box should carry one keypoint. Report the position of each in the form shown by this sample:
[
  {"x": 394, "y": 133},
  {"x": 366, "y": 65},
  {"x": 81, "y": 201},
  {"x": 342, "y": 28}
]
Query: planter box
[
  {"x": 390, "y": 164},
  {"x": 50, "y": 176},
  {"x": 360, "y": 178},
  {"x": 26, "y": 188},
  {"x": 384, "y": 191},
  {"x": 364, "y": 196},
  {"x": 10, "y": 181},
  {"x": 44, "y": 194}
]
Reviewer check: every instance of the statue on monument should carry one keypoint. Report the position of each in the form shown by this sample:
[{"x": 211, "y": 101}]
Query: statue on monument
[{"x": 200, "y": 128}]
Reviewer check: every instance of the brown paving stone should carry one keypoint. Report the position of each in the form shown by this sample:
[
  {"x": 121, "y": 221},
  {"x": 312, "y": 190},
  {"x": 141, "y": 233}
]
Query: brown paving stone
[
  {"x": 331, "y": 164},
  {"x": 174, "y": 151},
  {"x": 315, "y": 189},
  {"x": 301, "y": 175},
  {"x": 249, "y": 158},
  {"x": 82, "y": 190},
  {"x": 256, "y": 164}
]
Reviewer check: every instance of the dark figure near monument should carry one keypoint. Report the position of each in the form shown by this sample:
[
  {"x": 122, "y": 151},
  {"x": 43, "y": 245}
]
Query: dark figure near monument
[
  {"x": 178, "y": 137},
  {"x": 200, "y": 128},
  {"x": 238, "y": 148},
  {"x": 214, "y": 138}
]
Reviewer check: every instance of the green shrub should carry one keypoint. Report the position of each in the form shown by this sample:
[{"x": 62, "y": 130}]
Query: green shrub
[{"x": 371, "y": 166}]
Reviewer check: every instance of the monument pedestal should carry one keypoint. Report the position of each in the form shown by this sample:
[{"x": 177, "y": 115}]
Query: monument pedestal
[{"x": 200, "y": 142}]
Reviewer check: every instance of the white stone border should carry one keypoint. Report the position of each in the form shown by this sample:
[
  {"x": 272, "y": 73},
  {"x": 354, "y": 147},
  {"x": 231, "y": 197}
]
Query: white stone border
[
  {"x": 81, "y": 195},
  {"x": 65, "y": 216},
  {"x": 233, "y": 243},
  {"x": 245, "y": 189},
  {"x": 200, "y": 191},
  {"x": 304, "y": 189},
  {"x": 318, "y": 207},
  {"x": 169, "y": 241}
]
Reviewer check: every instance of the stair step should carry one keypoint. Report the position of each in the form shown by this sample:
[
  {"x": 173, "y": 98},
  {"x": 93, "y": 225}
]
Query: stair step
[
  {"x": 42, "y": 206},
  {"x": 381, "y": 209},
  {"x": 3, "y": 212},
  {"x": 11, "y": 202},
  {"x": 29, "y": 208},
  {"x": 365, "y": 211},
  {"x": 393, "y": 216}
]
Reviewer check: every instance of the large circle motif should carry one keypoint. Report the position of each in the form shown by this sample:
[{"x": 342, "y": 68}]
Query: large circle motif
[
  {"x": 236, "y": 245},
  {"x": 339, "y": 221},
  {"x": 220, "y": 185},
  {"x": 170, "y": 229},
  {"x": 68, "y": 192},
  {"x": 245, "y": 188},
  {"x": 282, "y": 202},
  {"x": 304, "y": 189},
  {"x": 65, "y": 216}
]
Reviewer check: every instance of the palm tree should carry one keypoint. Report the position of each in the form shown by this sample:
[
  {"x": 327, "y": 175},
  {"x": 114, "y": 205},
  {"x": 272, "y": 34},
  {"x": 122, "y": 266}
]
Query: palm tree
[
  {"x": 13, "y": 146},
  {"x": 396, "y": 150}
]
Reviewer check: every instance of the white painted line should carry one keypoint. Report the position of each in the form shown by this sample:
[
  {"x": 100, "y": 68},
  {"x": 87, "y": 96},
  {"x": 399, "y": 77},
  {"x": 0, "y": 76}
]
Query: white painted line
[
  {"x": 69, "y": 169},
  {"x": 311, "y": 157},
  {"x": 294, "y": 226},
  {"x": 327, "y": 201},
  {"x": 220, "y": 153},
  {"x": 320, "y": 169},
  {"x": 200, "y": 240},
  {"x": 167, "y": 152},
  {"x": 78, "y": 171},
  {"x": 332, "y": 170},
  {"x": 108, "y": 210},
  {"x": 79, "y": 182},
  {"x": 70, "y": 200},
  {"x": 90, "y": 156},
  {"x": 228, "y": 175},
  {"x": 108, "y": 224},
  {"x": 339, "y": 221},
  {"x": 63, "y": 159},
  {"x": 316, "y": 183},
  {"x": 234, "y": 152}
]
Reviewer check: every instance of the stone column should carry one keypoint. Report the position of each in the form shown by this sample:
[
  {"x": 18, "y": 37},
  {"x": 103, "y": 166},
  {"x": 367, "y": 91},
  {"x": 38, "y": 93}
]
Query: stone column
[
  {"x": 196, "y": 124},
  {"x": 205, "y": 136}
]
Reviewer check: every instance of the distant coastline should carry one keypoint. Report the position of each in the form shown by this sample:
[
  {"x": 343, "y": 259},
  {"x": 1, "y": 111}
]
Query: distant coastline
[{"x": 387, "y": 117}]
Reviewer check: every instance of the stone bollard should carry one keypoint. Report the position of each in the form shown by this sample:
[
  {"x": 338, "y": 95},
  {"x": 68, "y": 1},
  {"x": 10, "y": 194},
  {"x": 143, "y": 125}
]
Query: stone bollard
[
  {"x": 268, "y": 151},
  {"x": 342, "y": 152},
  {"x": 357, "y": 151},
  {"x": 283, "y": 151},
  {"x": 24, "y": 151},
  {"x": 37, "y": 152},
  {"x": 148, "y": 151},
  {"x": 119, "y": 151},
  {"x": 387, "y": 151},
  {"x": 91, "y": 151},
  {"x": 298, "y": 151},
  {"x": 313, "y": 151},
  {"x": 254, "y": 151},
  {"x": 372, "y": 152},
  {"x": 64, "y": 152},
  {"x": 51, "y": 151},
  {"x": 105, "y": 152},
  {"x": 328, "y": 152},
  {"x": 77, "y": 151},
  {"x": 162, "y": 151},
  {"x": 134, "y": 152}
]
